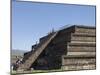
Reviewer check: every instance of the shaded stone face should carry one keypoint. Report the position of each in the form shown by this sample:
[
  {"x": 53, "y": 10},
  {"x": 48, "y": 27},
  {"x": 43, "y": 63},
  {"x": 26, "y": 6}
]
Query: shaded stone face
[{"x": 42, "y": 61}]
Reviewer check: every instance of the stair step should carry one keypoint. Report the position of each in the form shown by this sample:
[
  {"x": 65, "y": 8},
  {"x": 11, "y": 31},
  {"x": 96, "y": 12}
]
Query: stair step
[
  {"x": 82, "y": 44},
  {"x": 81, "y": 49},
  {"x": 81, "y": 53},
  {"x": 79, "y": 56},
  {"x": 84, "y": 34},
  {"x": 85, "y": 30},
  {"x": 83, "y": 37},
  {"x": 79, "y": 61},
  {"x": 79, "y": 67}
]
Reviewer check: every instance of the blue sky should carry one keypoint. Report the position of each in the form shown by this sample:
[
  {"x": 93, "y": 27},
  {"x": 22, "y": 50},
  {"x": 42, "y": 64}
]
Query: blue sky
[{"x": 31, "y": 20}]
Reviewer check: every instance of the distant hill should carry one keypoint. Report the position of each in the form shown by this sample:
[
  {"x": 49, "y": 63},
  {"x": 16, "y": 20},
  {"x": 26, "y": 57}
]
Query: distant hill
[{"x": 18, "y": 52}]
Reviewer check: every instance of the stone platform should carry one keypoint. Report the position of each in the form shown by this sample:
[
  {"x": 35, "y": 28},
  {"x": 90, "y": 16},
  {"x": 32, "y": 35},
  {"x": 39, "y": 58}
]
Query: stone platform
[{"x": 72, "y": 48}]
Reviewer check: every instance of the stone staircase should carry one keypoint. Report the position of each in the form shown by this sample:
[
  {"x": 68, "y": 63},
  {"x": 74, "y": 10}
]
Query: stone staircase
[{"x": 34, "y": 54}]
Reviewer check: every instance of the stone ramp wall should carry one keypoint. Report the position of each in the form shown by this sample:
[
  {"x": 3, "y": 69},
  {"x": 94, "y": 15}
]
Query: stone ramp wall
[{"x": 34, "y": 55}]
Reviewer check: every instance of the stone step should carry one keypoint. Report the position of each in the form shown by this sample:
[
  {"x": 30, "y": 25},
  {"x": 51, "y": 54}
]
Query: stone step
[
  {"x": 81, "y": 53},
  {"x": 83, "y": 29},
  {"x": 79, "y": 67},
  {"x": 82, "y": 44},
  {"x": 83, "y": 34},
  {"x": 83, "y": 37},
  {"x": 81, "y": 49},
  {"x": 78, "y": 56},
  {"x": 78, "y": 61}
]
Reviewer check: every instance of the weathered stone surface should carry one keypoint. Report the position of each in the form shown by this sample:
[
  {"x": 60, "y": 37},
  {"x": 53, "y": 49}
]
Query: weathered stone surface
[
  {"x": 79, "y": 67},
  {"x": 81, "y": 53},
  {"x": 85, "y": 29},
  {"x": 83, "y": 38},
  {"x": 78, "y": 62},
  {"x": 81, "y": 49}
]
